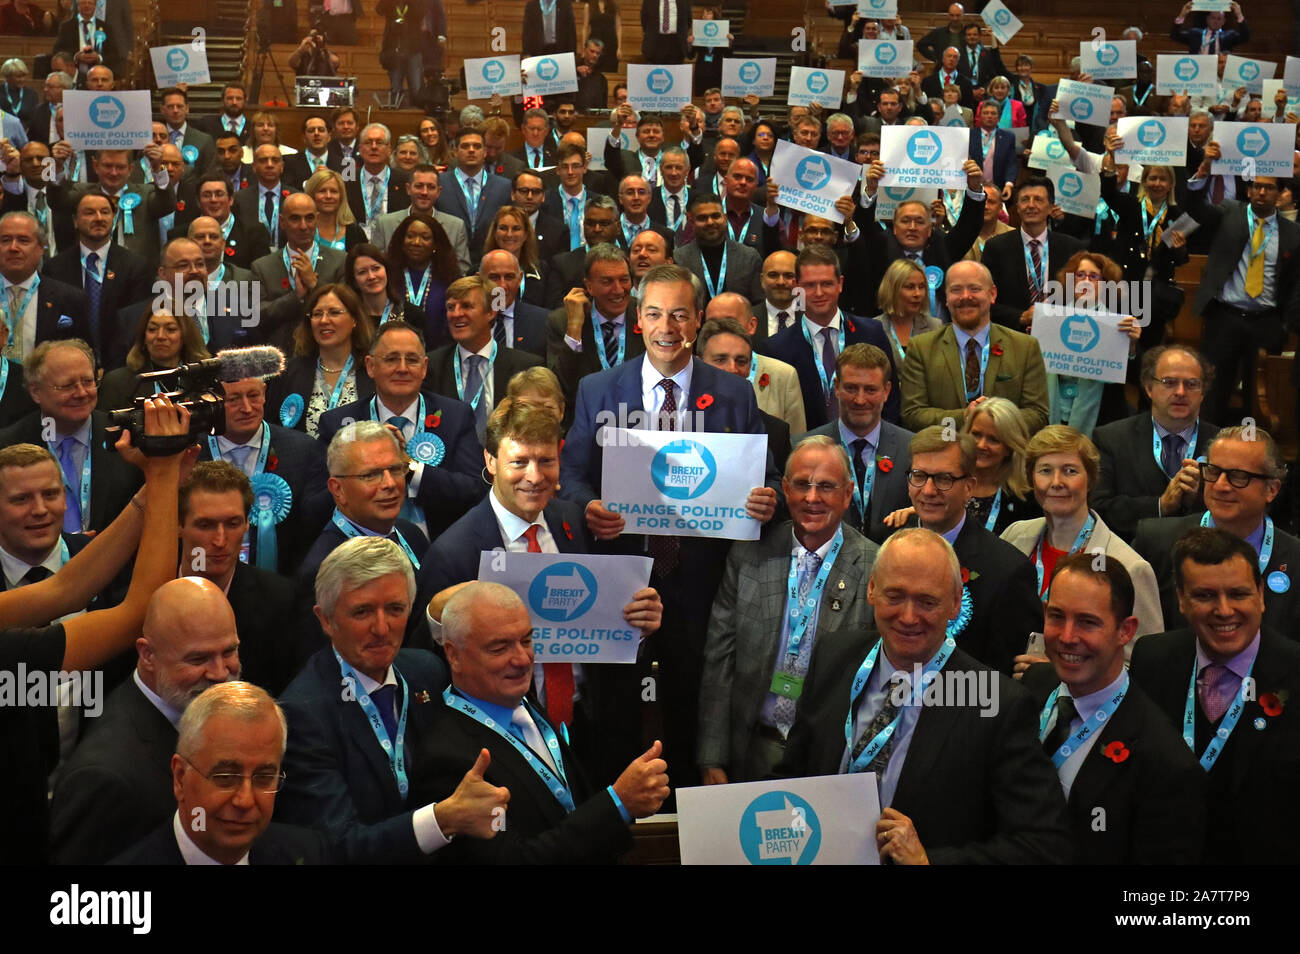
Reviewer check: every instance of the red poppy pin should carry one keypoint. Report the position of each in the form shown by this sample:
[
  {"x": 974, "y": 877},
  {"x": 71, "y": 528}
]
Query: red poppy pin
[
  {"x": 763, "y": 380},
  {"x": 180, "y": 205},
  {"x": 997, "y": 350},
  {"x": 885, "y": 464},
  {"x": 968, "y": 574},
  {"x": 243, "y": 183},
  {"x": 230, "y": 252},
  {"x": 109, "y": 276},
  {"x": 272, "y": 463},
  {"x": 636, "y": 329},
  {"x": 704, "y": 401},
  {"x": 850, "y": 324},
  {"x": 284, "y": 283},
  {"x": 1116, "y": 751},
  {"x": 434, "y": 419},
  {"x": 1271, "y": 703},
  {"x": 423, "y": 696},
  {"x": 284, "y": 193},
  {"x": 568, "y": 530}
]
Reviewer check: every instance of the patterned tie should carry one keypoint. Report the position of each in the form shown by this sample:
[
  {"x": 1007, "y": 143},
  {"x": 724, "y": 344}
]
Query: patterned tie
[
  {"x": 374, "y": 196},
  {"x": 14, "y": 347},
  {"x": 1255, "y": 270},
  {"x": 537, "y": 157},
  {"x": 94, "y": 290},
  {"x": 783, "y": 320},
  {"x": 1065, "y": 714},
  {"x": 177, "y": 137},
  {"x": 664, "y": 25},
  {"x": 828, "y": 364},
  {"x": 1172, "y": 449},
  {"x": 71, "y": 480},
  {"x": 783, "y": 712},
  {"x": 1035, "y": 253},
  {"x": 972, "y": 367},
  {"x": 859, "y": 463},
  {"x": 666, "y": 550},
  {"x": 609, "y": 331},
  {"x": 385, "y": 699},
  {"x": 471, "y": 198},
  {"x": 473, "y": 380},
  {"x": 558, "y": 676},
  {"x": 1215, "y": 689},
  {"x": 888, "y": 712},
  {"x": 1216, "y": 190},
  {"x": 499, "y": 329},
  {"x": 238, "y": 455}
]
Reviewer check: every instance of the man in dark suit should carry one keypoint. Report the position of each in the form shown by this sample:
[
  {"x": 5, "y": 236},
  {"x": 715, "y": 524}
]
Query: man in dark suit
[
  {"x": 445, "y": 470},
  {"x": 91, "y": 41},
  {"x": 34, "y": 196},
  {"x": 552, "y": 29},
  {"x": 756, "y": 634},
  {"x": 473, "y": 366},
  {"x": 1116, "y": 754},
  {"x": 557, "y": 816},
  {"x": 727, "y": 344},
  {"x": 948, "y": 73},
  {"x": 567, "y": 269},
  {"x": 1249, "y": 294},
  {"x": 978, "y": 63},
  {"x": 342, "y": 777},
  {"x": 1234, "y": 454},
  {"x": 687, "y": 570},
  {"x": 116, "y": 787},
  {"x": 718, "y": 261},
  {"x": 994, "y": 149},
  {"x": 538, "y": 150},
  {"x": 55, "y": 311},
  {"x": 99, "y": 481},
  {"x": 948, "y": 34},
  {"x": 1011, "y": 811},
  {"x": 813, "y": 343},
  {"x": 470, "y": 193},
  {"x": 644, "y": 160},
  {"x": 33, "y": 544},
  {"x": 998, "y": 582},
  {"x": 301, "y": 166},
  {"x": 1149, "y": 462},
  {"x": 1011, "y": 256},
  {"x": 377, "y": 188},
  {"x": 196, "y": 146},
  {"x": 231, "y": 118},
  {"x": 1243, "y": 673},
  {"x": 245, "y": 241},
  {"x": 528, "y": 192},
  {"x": 669, "y": 200},
  {"x": 604, "y": 306},
  {"x": 230, "y": 164},
  {"x": 110, "y": 275},
  {"x": 231, "y": 732},
  {"x": 140, "y": 205},
  {"x": 1212, "y": 38},
  {"x": 498, "y": 162},
  {"x": 665, "y": 25},
  {"x": 523, "y": 325},
  {"x": 263, "y": 200},
  {"x": 343, "y": 140},
  {"x": 877, "y": 449}
]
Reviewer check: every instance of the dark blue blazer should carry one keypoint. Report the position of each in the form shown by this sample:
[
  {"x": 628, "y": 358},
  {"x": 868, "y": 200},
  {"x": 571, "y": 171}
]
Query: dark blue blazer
[
  {"x": 1006, "y": 161},
  {"x": 338, "y": 778},
  {"x": 530, "y": 328},
  {"x": 15, "y": 401},
  {"x": 495, "y": 193},
  {"x": 456, "y": 484},
  {"x": 278, "y": 845},
  {"x": 790, "y": 346}
]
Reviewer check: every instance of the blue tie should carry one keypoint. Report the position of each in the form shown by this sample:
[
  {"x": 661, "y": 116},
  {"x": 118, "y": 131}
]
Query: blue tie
[
  {"x": 575, "y": 224},
  {"x": 238, "y": 455},
  {"x": 94, "y": 289},
  {"x": 72, "y": 480},
  {"x": 385, "y": 699}
]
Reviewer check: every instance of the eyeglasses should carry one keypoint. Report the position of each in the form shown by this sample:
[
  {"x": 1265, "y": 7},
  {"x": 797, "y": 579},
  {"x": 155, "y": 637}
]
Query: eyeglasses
[
  {"x": 268, "y": 782},
  {"x": 87, "y": 383},
  {"x": 1238, "y": 478},
  {"x": 331, "y": 312},
  {"x": 1190, "y": 385},
  {"x": 371, "y": 477},
  {"x": 824, "y": 487},
  {"x": 396, "y": 360},
  {"x": 1088, "y": 276},
  {"x": 917, "y": 478}
]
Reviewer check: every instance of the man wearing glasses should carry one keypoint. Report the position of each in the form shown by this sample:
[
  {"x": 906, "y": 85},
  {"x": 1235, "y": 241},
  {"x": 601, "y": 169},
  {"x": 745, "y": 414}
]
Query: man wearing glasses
[
  {"x": 61, "y": 380},
  {"x": 1243, "y": 475},
  {"x": 1149, "y": 462},
  {"x": 225, "y": 774}
]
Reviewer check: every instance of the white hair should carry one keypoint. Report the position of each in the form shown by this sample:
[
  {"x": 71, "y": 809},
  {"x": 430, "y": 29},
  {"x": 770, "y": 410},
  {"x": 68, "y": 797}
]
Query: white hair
[
  {"x": 356, "y": 562},
  {"x": 457, "y": 615},
  {"x": 242, "y": 700},
  {"x": 358, "y": 432}
]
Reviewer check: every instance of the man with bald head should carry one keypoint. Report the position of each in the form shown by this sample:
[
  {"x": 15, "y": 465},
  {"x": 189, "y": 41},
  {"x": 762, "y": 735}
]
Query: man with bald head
[
  {"x": 206, "y": 233},
  {"x": 776, "y": 383},
  {"x": 778, "y": 311},
  {"x": 283, "y": 294},
  {"x": 525, "y": 324},
  {"x": 263, "y": 201},
  {"x": 99, "y": 78},
  {"x": 117, "y": 786},
  {"x": 648, "y": 250},
  {"x": 713, "y": 172},
  {"x": 744, "y": 218}
]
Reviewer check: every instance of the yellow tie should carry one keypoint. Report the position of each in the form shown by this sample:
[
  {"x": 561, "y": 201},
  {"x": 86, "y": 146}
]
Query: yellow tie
[{"x": 1255, "y": 270}]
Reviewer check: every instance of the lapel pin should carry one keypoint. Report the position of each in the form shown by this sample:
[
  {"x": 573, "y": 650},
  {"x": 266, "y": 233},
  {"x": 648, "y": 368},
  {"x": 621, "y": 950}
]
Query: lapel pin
[{"x": 835, "y": 605}]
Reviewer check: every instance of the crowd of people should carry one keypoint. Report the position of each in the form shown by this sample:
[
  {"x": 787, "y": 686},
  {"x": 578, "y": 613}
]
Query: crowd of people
[{"x": 287, "y": 618}]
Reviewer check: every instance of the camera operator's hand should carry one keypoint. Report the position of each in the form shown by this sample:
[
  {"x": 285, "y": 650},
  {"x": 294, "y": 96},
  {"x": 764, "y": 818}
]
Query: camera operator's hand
[
  {"x": 162, "y": 418},
  {"x": 304, "y": 276}
]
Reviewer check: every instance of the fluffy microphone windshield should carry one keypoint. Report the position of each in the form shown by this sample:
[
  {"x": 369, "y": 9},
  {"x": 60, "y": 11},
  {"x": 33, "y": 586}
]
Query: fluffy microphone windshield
[{"x": 240, "y": 363}]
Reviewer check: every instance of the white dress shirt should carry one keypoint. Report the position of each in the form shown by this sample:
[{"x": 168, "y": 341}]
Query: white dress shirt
[{"x": 652, "y": 395}]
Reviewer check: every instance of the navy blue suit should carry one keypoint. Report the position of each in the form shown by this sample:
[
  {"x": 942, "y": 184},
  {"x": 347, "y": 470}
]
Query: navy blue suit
[
  {"x": 791, "y": 347},
  {"x": 456, "y": 484},
  {"x": 1006, "y": 161},
  {"x": 494, "y": 194},
  {"x": 530, "y": 328},
  {"x": 339, "y": 778}
]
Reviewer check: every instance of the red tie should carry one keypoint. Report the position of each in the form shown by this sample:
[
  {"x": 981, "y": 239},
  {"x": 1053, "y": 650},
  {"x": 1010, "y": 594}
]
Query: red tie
[{"x": 559, "y": 676}]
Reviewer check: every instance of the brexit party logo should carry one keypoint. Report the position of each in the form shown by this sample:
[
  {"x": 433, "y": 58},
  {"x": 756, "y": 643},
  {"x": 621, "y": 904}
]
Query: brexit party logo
[
  {"x": 1248, "y": 71},
  {"x": 886, "y": 53},
  {"x": 1055, "y": 150},
  {"x": 1108, "y": 55},
  {"x": 711, "y": 28},
  {"x": 494, "y": 71},
  {"x": 1252, "y": 141},
  {"x": 660, "y": 81},
  {"x": 750, "y": 72},
  {"x": 818, "y": 82},
  {"x": 899, "y": 193},
  {"x": 877, "y": 4},
  {"x": 683, "y": 469},
  {"x": 177, "y": 59},
  {"x": 1186, "y": 69},
  {"x": 1081, "y": 108},
  {"x": 1002, "y": 17},
  {"x": 1071, "y": 184},
  {"x": 1079, "y": 333},
  {"x": 562, "y": 592},
  {"x": 1151, "y": 134},
  {"x": 780, "y": 828},
  {"x": 548, "y": 69},
  {"x": 924, "y": 148},
  {"x": 812, "y": 172},
  {"x": 107, "y": 112}
]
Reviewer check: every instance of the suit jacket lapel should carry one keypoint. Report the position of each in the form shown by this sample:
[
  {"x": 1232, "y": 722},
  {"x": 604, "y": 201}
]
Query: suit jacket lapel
[
  {"x": 773, "y": 574},
  {"x": 1098, "y": 771},
  {"x": 996, "y": 344},
  {"x": 934, "y": 730},
  {"x": 948, "y": 347}
]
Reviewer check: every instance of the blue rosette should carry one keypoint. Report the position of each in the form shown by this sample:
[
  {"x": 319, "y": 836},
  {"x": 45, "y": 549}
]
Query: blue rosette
[
  {"x": 957, "y": 626},
  {"x": 427, "y": 448},
  {"x": 190, "y": 154},
  {"x": 291, "y": 410},
  {"x": 272, "y": 500}
]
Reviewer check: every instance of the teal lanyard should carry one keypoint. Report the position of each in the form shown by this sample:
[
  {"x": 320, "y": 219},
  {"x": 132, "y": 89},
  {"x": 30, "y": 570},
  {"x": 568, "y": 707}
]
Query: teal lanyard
[
  {"x": 262, "y": 452},
  {"x": 600, "y": 349},
  {"x": 482, "y": 385},
  {"x": 861, "y": 495},
  {"x": 395, "y": 749},
  {"x": 716, "y": 290},
  {"x": 740, "y": 239},
  {"x": 338, "y": 386},
  {"x": 859, "y": 683},
  {"x": 1084, "y": 533},
  {"x": 994, "y": 510},
  {"x": 1157, "y": 441},
  {"x": 1219, "y": 739},
  {"x": 349, "y": 530},
  {"x": 984, "y": 366},
  {"x": 1265, "y": 547},
  {"x": 313, "y": 253},
  {"x": 817, "y": 358},
  {"x": 676, "y": 224},
  {"x": 802, "y": 612},
  {"x": 375, "y": 201},
  {"x": 414, "y": 294},
  {"x": 1085, "y": 731}
]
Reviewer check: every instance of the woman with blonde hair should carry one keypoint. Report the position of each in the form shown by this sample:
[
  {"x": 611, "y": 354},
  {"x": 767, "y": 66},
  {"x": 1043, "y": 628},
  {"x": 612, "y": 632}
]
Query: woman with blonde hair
[
  {"x": 1011, "y": 111},
  {"x": 904, "y": 299},
  {"x": 336, "y": 226},
  {"x": 512, "y": 231},
  {"x": 1002, "y": 492}
]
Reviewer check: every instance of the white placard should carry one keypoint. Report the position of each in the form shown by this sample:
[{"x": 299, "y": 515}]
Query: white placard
[
  {"x": 924, "y": 156},
  {"x": 753, "y": 75},
  {"x": 1184, "y": 224},
  {"x": 600, "y": 135},
  {"x": 553, "y": 73},
  {"x": 1083, "y": 102},
  {"x": 1001, "y": 20},
  {"x": 815, "y": 86},
  {"x": 682, "y": 483},
  {"x": 107, "y": 120},
  {"x": 885, "y": 59},
  {"x": 878, "y": 9},
  {"x": 1114, "y": 59},
  {"x": 1271, "y": 88},
  {"x": 576, "y": 601},
  {"x": 493, "y": 74},
  {"x": 1242, "y": 71},
  {"x": 659, "y": 89},
  {"x": 180, "y": 64},
  {"x": 1254, "y": 149},
  {"x": 1077, "y": 193},
  {"x": 1291, "y": 77},
  {"x": 710, "y": 32},
  {"x": 1152, "y": 140},
  {"x": 812, "y": 181},
  {"x": 1211, "y": 6},
  {"x": 889, "y": 198},
  {"x": 824, "y": 820},
  {"x": 1187, "y": 73},
  {"x": 1081, "y": 343},
  {"x": 952, "y": 116},
  {"x": 1046, "y": 151}
]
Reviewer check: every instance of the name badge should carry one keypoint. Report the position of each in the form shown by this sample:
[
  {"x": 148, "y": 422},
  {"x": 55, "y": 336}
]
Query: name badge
[{"x": 786, "y": 685}]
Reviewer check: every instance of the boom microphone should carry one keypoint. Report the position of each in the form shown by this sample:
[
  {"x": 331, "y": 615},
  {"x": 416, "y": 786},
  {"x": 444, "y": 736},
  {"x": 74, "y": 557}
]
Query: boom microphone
[{"x": 233, "y": 364}]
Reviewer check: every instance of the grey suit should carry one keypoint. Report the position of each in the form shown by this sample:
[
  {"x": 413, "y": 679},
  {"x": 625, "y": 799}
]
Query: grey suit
[
  {"x": 281, "y": 307},
  {"x": 889, "y": 488},
  {"x": 744, "y": 268},
  {"x": 383, "y": 228},
  {"x": 745, "y": 633}
]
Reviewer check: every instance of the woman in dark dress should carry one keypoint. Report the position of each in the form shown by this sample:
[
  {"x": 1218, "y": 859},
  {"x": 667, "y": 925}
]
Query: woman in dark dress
[{"x": 424, "y": 263}]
